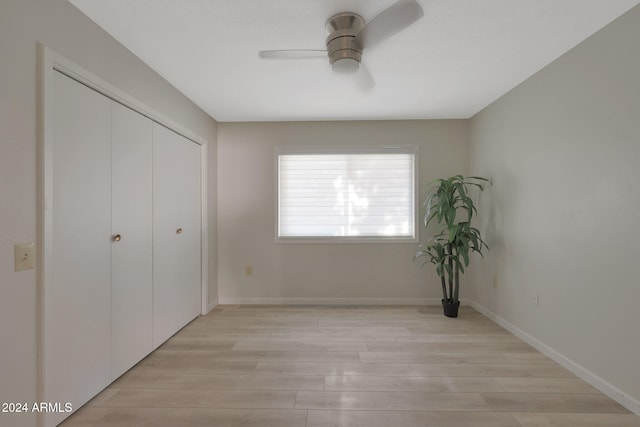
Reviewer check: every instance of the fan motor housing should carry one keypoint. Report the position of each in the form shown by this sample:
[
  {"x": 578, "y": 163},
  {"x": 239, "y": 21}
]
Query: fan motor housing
[{"x": 342, "y": 30}]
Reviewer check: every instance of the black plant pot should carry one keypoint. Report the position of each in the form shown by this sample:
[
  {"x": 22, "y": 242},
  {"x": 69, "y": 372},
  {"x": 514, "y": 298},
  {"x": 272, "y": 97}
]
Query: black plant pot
[{"x": 450, "y": 309}]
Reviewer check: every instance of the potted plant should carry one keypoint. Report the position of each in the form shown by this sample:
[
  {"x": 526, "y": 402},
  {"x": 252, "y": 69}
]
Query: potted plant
[{"x": 449, "y": 206}]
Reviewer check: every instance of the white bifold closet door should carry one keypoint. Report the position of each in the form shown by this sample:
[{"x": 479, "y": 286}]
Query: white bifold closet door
[
  {"x": 131, "y": 253},
  {"x": 101, "y": 296},
  {"x": 78, "y": 331},
  {"x": 125, "y": 241},
  {"x": 176, "y": 233}
]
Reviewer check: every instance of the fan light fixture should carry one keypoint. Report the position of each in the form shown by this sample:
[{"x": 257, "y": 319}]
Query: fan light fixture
[
  {"x": 344, "y": 51},
  {"x": 345, "y": 66}
]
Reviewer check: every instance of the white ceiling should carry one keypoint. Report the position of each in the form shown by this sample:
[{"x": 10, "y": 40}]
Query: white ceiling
[{"x": 457, "y": 59}]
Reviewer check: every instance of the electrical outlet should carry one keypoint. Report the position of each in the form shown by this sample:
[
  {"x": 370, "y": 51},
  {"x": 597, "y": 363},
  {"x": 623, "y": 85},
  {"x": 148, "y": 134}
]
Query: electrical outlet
[
  {"x": 248, "y": 270},
  {"x": 24, "y": 255}
]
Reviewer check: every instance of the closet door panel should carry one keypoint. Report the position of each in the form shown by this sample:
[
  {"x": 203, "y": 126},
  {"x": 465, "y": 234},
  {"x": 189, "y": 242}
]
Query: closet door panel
[
  {"x": 191, "y": 237},
  {"x": 131, "y": 284},
  {"x": 176, "y": 233},
  {"x": 80, "y": 299}
]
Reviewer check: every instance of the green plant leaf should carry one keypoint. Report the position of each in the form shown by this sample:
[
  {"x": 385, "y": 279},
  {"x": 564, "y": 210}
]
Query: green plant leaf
[
  {"x": 478, "y": 178},
  {"x": 453, "y": 230},
  {"x": 465, "y": 244},
  {"x": 465, "y": 257},
  {"x": 430, "y": 217}
]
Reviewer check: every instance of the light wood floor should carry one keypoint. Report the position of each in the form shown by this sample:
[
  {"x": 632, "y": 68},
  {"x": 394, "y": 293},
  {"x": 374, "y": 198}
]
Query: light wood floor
[{"x": 348, "y": 366}]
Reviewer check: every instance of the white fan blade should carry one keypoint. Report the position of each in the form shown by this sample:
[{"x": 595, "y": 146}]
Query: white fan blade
[
  {"x": 364, "y": 79},
  {"x": 292, "y": 53},
  {"x": 395, "y": 18}
]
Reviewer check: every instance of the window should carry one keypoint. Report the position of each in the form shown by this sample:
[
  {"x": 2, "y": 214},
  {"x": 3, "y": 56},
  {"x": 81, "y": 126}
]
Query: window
[{"x": 349, "y": 195}]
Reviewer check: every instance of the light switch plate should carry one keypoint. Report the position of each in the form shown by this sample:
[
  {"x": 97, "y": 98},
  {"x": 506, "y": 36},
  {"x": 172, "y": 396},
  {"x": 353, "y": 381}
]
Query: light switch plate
[{"x": 24, "y": 256}]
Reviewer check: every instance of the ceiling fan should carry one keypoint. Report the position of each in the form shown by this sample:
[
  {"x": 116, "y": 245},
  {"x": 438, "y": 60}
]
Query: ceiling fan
[{"x": 348, "y": 36}]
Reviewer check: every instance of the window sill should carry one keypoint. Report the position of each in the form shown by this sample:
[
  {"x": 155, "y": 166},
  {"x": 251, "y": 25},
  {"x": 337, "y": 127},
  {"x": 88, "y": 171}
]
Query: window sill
[{"x": 346, "y": 240}]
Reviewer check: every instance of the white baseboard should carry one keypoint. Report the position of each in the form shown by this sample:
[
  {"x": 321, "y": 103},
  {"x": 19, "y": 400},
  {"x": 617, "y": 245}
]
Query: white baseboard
[
  {"x": 610, "y": 390},
  {"x": 212, "y": 305},
  {"x": 330, "y": 301}
]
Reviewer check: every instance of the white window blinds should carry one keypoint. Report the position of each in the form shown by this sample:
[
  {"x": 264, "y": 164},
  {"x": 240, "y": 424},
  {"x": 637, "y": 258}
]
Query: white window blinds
[{"x": 346, "y": 195}]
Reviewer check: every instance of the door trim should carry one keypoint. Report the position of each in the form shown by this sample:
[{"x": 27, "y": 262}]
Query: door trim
[{"x": 49, "y": 63}]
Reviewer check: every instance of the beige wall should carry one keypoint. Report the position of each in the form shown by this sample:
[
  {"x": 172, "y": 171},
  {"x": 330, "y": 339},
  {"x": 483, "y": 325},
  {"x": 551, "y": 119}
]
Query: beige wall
[
  {"x": 563, "y": 150},
  {"x": 59, "y": 26},
  {"x": 286, "y": 271}
]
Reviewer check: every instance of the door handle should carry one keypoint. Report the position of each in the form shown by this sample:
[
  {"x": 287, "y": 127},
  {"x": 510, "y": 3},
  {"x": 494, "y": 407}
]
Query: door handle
[
  {"x": 116, "y": 238},
  {"x": 179, "y": 231}
]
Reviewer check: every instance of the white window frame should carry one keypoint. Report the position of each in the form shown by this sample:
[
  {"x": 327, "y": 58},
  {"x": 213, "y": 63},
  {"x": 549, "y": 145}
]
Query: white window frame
[{"x": 391, "y": 149}]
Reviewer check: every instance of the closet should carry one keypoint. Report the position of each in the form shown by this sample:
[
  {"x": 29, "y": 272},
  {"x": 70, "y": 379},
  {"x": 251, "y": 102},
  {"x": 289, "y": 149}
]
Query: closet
[{"x": 125, "y": 248}]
